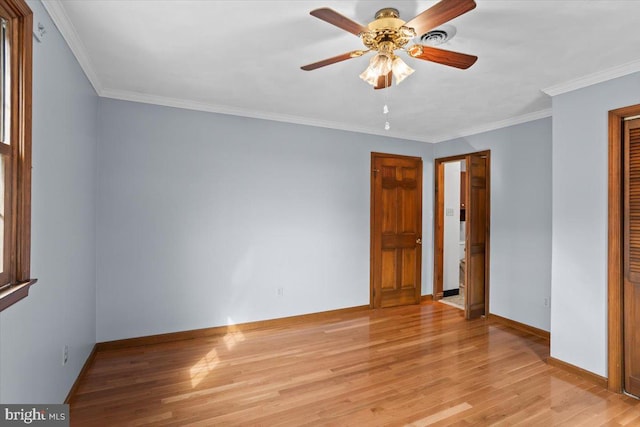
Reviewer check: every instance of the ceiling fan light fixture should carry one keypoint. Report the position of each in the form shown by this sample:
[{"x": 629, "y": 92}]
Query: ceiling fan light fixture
[
  {"x": 387, "y": 33},
  {"x": 381, "y": 64},
  {"x": 369, "y": 76},
  {"x": 400, "y": 70}
]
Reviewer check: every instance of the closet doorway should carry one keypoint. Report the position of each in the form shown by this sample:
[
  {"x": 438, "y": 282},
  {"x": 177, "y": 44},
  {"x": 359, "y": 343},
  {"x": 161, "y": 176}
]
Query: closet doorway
[
  {"x": 624, "y": 251},
  {"x": 461, "y": 239}
]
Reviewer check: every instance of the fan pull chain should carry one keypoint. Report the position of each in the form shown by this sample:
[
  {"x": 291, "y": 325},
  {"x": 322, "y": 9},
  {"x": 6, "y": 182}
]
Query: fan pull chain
[
  {"x": 385, "y": 108},
  {"x": 385, "y": 111}
]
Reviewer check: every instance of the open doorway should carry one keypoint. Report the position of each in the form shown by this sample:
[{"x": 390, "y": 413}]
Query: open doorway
[
  {"x": 454, "y": 239},
  {"x": 461, "y": 252}
]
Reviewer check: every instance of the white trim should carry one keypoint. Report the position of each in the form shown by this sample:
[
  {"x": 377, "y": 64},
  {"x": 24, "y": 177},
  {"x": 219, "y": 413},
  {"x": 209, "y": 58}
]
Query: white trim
[
  {"x": 591, "y": 79},
  {"x": 493, "y": 126},
  {"x": 61, "y": 20},
  {"x": 241, "y": 112},
  {"x": 223, "y": 109}
]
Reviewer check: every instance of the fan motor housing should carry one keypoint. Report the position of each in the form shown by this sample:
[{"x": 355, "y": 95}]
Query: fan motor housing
[
  {"x": 387, "y": 18},
  {"x": 387, "y": 28},
  {"x": 388, "y": 12},
  {"x": 385, "y": 23}
]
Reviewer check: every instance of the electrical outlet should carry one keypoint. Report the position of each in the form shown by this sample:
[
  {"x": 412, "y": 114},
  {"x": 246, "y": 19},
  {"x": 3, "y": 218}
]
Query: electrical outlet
[
  {"x": 65, "y": 354},
  {"x": 280, "y": 292},
  {"x": 546, "y": 302}
]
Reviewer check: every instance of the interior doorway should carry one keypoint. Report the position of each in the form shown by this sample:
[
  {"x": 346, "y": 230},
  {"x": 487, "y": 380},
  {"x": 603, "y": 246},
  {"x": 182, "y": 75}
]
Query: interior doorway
[
  {"x": 462, "y": 195},
  {"x": 454, "y": 234}
]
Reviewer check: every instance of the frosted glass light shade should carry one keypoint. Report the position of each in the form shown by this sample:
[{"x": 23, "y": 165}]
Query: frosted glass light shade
[
  {"x": 369, "y": 76},
  {"x": 381, "y": 64},
  {"x": 401, "y": 70}
]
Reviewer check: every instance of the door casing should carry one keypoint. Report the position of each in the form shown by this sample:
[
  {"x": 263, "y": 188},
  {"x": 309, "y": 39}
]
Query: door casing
[{"x": 615, "y": 279}]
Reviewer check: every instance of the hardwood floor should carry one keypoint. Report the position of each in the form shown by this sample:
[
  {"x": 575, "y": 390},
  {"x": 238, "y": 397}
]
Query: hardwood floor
[{"x": 416, "y": 365}]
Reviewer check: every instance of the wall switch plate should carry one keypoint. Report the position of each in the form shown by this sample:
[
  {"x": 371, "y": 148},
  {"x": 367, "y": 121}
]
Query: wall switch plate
[
  {"x": 449, "y": 212},
  {"x": 280, "y": 292},
  {"x": 39, "y": 31}
]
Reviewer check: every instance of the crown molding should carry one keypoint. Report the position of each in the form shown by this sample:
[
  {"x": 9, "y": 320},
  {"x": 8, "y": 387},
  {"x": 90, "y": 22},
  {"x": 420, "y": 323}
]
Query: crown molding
[
  {"x": 63, "y": 23},
  {"x": 591, "y": 79},
  {"x": 529, "y": 117},
  {"x": 254, "y": 114},
  {"x": 306, "y": 121}
]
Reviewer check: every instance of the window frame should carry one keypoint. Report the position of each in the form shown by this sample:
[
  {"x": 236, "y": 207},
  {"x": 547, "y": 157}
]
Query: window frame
[{"x": 18, "y": 183}]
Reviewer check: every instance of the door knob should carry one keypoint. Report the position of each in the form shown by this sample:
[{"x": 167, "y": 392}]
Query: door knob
[{"x": 419, "y": 241}]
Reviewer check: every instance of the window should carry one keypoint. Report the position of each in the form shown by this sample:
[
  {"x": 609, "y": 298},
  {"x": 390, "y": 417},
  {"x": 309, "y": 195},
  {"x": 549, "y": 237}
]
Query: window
[{"x": 16, "y": 25}]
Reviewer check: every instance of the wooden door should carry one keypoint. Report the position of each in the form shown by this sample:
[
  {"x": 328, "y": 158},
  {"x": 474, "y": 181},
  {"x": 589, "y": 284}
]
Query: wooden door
[
  {"x": 396, "y": 230},
  {"x": 631, "y": 290},
  {"x": 477, "y": 215}
]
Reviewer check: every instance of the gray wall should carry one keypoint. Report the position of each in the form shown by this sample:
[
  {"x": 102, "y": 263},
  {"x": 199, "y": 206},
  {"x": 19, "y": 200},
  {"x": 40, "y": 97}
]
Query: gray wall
[
  {"x": 202, "y": 217},
  {"x": 580, "y": 174},
  {"x": 520, "y": 272},
  {"x": 61, "y": 306}
]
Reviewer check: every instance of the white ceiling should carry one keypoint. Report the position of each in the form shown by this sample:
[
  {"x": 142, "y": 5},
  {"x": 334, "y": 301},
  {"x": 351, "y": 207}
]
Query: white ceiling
[{"x": 244, "y": 58}]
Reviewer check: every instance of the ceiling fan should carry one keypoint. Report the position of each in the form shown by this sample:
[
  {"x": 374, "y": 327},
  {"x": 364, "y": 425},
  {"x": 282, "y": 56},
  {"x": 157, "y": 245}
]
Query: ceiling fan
[{"x": 388, "y": 33}]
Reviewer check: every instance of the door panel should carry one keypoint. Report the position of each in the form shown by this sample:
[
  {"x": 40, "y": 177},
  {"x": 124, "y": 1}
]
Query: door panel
[
  {"x": 388, "y": 269},
  {"x": 396, "y": 230},
  {"x": 631, "y": 290},
  {"x": 477, "y": 229},
  {"x": 408, "y": 268}
]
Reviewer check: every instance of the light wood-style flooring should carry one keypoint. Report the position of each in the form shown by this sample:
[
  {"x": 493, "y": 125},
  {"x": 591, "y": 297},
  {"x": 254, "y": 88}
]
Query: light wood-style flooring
[{"x": 416, "y": 365}]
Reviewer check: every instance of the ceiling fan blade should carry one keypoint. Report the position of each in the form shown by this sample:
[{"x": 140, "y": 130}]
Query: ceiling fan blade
[
  {"x": 329, "y": 61},
  {"x": 445, "y": 57},
  {"x": 440, "y": 13},
  {"x": 340, "y": 21},
  {"x": 384, "y": 81}
]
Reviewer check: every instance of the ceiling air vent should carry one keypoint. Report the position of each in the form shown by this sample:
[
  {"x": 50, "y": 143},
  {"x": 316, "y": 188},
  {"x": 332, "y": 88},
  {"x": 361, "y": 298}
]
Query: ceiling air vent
[{"x": 438, "y": 36}]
